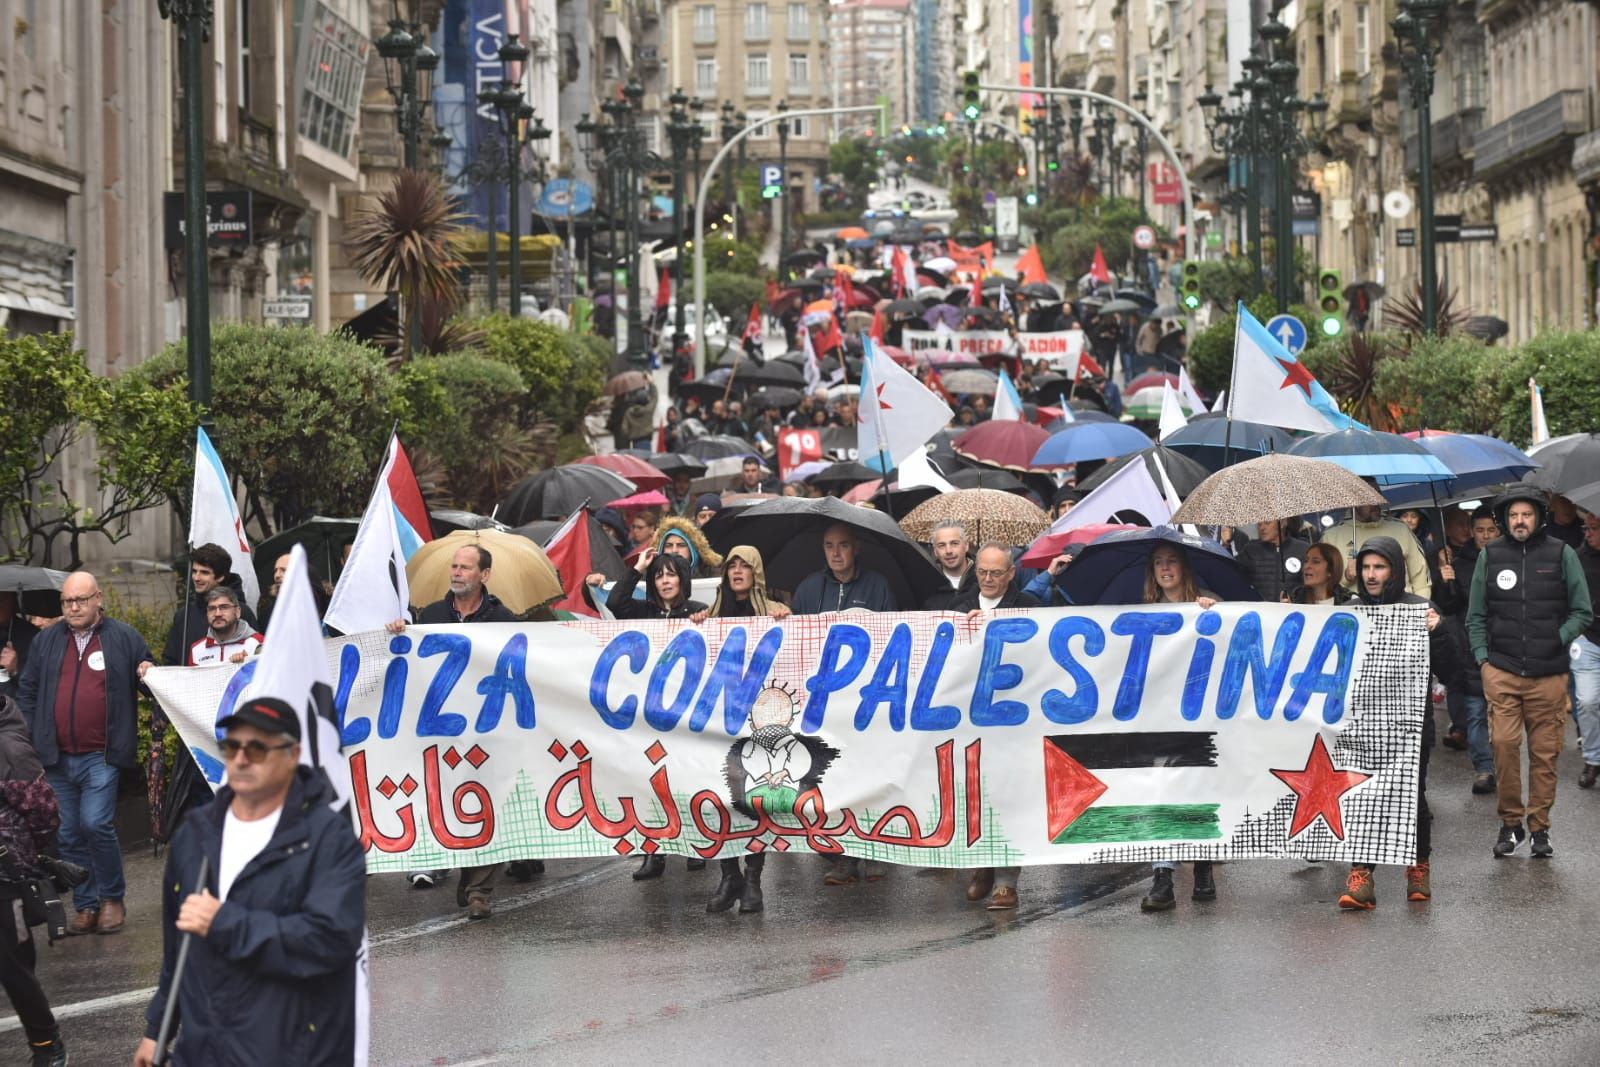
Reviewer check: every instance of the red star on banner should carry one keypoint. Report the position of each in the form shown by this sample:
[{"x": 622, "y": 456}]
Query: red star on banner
[
  {"x": 1318, "y": 788},
  {"x": 1295, "y": 373}
]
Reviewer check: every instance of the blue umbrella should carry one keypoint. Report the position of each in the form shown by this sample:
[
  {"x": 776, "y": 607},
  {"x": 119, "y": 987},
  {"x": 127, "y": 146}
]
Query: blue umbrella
[
  {"x": 1475, "y": 461},
  {"x": 1216, "y": 442},
  {"x": 1111, "y": 569},
  {"x": 1387, "y": 458},
  {"x": 1084, "y": 441},
  {"x": 1078, "y": 416}
]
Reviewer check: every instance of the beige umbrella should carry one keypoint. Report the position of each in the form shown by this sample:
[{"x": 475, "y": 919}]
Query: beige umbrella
[
  {"x": 521, "y": 575},
  {"x": 1274, "y": 486},
  {"x": 988, "y": 515}
]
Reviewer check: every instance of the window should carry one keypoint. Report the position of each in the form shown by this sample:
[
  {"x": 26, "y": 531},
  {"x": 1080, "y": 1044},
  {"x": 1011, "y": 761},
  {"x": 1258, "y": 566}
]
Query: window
[
  {"x": 1363, "y": 38},
  {"x": 799, "y": 22},
  {"x": 798, "y": 128},
  {"x": 705, "y": 77},
  {"x": 243, "y": 16},
  {"x": 705, "y": 24},
  {"x": 333, "y": 59},
  {"x": 1336, "y": 32},
  {"x": 764, "y": 132},
  {"x": 757, "y": 74},
  {"x": 755, "y": 22},
  {"x": 799, "y": 72}
]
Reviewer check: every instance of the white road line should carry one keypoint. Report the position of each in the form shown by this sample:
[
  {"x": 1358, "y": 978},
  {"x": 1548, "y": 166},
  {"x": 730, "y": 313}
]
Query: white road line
[{"x": 135, "y": 997}]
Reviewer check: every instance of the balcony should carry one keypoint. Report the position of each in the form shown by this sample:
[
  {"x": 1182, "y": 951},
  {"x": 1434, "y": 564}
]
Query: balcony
[
  {"x": 800, "y": 32},
  {"x": 1453, "y": 139},
  {"x": 762, "y": 91},
  {"x": 705, "y": 34},
  {"x": 757, "y": 32},
  {"x": 1546, "y": 127},
  {"x": 1586, "y": 158},
  {"x": 799, "y": 86}
]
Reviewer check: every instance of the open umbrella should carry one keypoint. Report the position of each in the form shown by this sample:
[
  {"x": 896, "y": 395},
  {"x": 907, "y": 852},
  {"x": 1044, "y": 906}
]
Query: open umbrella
[
  {"x": 1007, "y": 443},
  {"x": 1567, "y": 462},
  {"x": 627, "y": 382},
  {"x": 1121, "y": 306},
  {"x": 1079, "y": 415},
  {"x": 719, "y": 446},
  {"x": 1148, "y": 380},
  {"x": 975, "y": 380},
  {"x": 774, "y": 373},
  {"x": 1049, "y": 545},
  {"x": 1040, "y": 291},
  {"x": 774, "y": 396},
  {"x": 1386, "y": 457},
  {"x": 444, "y": 520},
  {"x": 1586, "y": 497},
  {"x": 810, "y": 468},
  {"x": 522, "y": 576},
  {"x": 712, "y": 385},
  {"x": 1111, "y": 569},
  {"x": 1184, "y": 472},
  {"x": 635, "y": 470},
  {"x": 1486, "y": 327},
  {"x": 603, "y": 556},
  {"x": 941, "y": 264},
  {"x": 987, "y": 514},
  {"x": 38, "y": 589},
  {"x": 672, "y": 462},
  {"x": 904, "y": 307},
  {"x": 984, "y": 478},
  {"x": 1270, "y": 487},
  {"x": 556, "y": 493},
  {"x": 1084, "y": 441},
  {"x": 323, "y": 538},
  {"x": 1475, "y": 460},
  {"x": 851, "y": 233},
  {"x": 845, "y": 472},
  {"x": 1168, "y": 311},
  {"x": 788, "y": 533},
  {"x": 1215, "y": 442}
]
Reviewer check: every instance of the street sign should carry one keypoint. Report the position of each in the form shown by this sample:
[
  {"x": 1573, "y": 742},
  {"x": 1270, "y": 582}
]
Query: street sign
[
  {"x": 1165, "y": 186},
  {"x": 771, "y": 174},
  {"x": 1005, "y": 217},
  {"x": 1397, "y": 204},
  {"x": 1144, "y": 238},
  {"x": 988, "y": 198},
  {"x": 1449, "y": 230},
  {"x": 291, "y": 308},
  {"x": 1480, "y": 231},
  {"x": 1289, "y": 331},
  {"x": 1405, "y": 237}
]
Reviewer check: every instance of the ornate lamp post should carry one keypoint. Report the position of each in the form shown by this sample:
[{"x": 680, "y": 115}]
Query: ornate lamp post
[
  {"x": 1419, "y": 30},
  {"x": 728, "y": 129},
  {"x": 514, "y": 115},
  {"x": 679, "y": 131},
  {"x": 406, "y": 57},
  {"x": 193, "y": 19}
]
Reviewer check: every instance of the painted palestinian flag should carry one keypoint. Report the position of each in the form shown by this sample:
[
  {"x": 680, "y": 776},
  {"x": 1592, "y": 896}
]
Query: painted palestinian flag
[{"x": 1072, "y": 788}]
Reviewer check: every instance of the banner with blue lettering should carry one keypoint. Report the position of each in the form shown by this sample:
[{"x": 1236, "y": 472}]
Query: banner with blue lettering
[{"x": 1017, "y": 737}]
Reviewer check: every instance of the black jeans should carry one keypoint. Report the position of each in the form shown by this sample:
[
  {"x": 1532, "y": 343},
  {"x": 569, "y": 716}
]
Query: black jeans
[{"x": 17, "y": 959}]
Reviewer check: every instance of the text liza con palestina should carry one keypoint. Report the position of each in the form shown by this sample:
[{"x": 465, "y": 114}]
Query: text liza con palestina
[{"x": 853, "y": 687}]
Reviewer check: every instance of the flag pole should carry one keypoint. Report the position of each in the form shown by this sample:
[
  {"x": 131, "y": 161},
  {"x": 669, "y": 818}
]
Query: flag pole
[
  {"x": 1233, "y": 382},
  {"x": 168, "y": 1010}
]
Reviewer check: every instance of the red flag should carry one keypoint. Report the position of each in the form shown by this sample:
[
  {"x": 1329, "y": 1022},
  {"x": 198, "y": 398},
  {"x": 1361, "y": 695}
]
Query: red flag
[
  {"x": 1031, "y": 266},
  {"x": 844, "y": 293},
  {"x": 754, "y": 332},
  {"x": 975, "y": 294},
  {"x": 568, "y": 549},
  {"x": 875, "y": 331},
  {"x": 1098, "y": 271},
  {"x": 897, "y": 268},
  {"x": 828, "y": 338},
  {"x": 664, "y": 292}
]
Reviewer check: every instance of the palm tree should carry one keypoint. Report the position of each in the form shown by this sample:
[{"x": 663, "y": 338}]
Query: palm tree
[{"x": 411, "y": 244}]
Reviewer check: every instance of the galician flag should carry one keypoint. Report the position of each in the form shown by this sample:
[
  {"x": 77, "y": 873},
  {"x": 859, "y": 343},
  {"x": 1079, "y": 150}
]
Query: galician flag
[
  {"x": 897, "y": 414},
  {"x": 1172, "y": 417},
  {"x": 214, "y": 516},
  {"x": 1271, "y": 386},
  {"x": 1541, "y": 429},
  {"x": 1007, "y": 402},
  {"x": 372, "y": 589}
]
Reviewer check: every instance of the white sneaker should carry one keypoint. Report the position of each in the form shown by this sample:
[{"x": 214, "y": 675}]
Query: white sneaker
[{"x": 421, "y": 879}]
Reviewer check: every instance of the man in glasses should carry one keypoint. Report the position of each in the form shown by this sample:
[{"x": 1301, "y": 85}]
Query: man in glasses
[
  {"x": 78, "y": 693},
  {"x": 276, "y": 919}
]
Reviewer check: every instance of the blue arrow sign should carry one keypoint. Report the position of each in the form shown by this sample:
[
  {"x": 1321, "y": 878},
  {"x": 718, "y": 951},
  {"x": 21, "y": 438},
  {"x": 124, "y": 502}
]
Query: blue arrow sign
[{"x": 1289, "y": 332}]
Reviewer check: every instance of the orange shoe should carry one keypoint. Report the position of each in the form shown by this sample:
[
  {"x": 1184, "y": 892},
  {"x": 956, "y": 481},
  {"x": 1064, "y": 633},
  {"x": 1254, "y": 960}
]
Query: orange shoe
[
  {"x": 1417, "y": 887},
  {"x": 1359, "y": 894}
]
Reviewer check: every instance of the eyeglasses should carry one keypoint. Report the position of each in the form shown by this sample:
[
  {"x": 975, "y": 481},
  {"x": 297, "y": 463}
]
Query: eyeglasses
[
  {"x": 254, "y": 751},
  {"x": 79, "y": 601},
  {"x": 982, "y": 574}
]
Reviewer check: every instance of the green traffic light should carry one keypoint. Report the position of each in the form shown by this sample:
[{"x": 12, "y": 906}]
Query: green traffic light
[
  {"x": 972, "y": 111},
  {"x": 1033, "y": 200},
  {"x": 1332, "y": 326},
  {"x": 1191, "y": 301}
]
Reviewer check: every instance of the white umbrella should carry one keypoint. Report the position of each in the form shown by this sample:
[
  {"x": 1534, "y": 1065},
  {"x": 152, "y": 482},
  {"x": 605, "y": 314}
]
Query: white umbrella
[{"x": 942, "y": 264}]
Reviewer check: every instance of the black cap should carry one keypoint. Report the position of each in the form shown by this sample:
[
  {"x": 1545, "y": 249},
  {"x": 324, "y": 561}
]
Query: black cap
[{"x": 268, "y": 714}]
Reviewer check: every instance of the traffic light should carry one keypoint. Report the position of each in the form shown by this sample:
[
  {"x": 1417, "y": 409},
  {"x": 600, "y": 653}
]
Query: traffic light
[
  {"x": 1053, "y": 165},
  {"x": 1330, "y": 302},
  {"x": 1189, "y": 285},
  {"x": 1022, "y": 170},
  {"x": 971, "y": 99},
  {"x": 1032, "y": 199}
]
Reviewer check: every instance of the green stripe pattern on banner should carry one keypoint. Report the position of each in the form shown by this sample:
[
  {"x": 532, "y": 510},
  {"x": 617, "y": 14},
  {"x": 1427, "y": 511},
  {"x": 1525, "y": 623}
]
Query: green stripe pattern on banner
[{"x": 1142, "y": 822}]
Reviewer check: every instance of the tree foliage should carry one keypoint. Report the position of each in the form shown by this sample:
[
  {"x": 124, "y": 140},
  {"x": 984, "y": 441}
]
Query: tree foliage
[
  {"x": 300, "y": 418},
  {"x": 54, "y": 402},
  {"x": 411, "y": 243},
  {"x": 732, "y": 294},
  {"x": 1444, "y": 382},
  {"x": 1566, "y": 365},
  {"x": 454, "y": 411},
  {"x": 1070, "y": 247},
  {"x": 561, "y": 375}
]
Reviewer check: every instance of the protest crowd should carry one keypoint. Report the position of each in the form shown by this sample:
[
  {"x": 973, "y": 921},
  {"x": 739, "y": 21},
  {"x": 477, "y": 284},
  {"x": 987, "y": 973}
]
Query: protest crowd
[{"x": 909, "y": 453}]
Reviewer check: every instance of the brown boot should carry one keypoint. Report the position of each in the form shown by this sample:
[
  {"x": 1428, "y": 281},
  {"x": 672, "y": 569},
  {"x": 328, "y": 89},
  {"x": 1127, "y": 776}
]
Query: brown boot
[
  {"x": 982, "y": 882},
  {"x": 84, "y": 922},
  {"x": 112, "y": 916},
  {"x": 478, "y": 907}
]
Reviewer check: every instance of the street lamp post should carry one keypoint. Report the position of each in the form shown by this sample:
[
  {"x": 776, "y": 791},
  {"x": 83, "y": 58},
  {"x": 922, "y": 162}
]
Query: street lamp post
[
  {"x": 783, "y": 197},
  {"x": 1419, "y": 29},
  {"x": 1105, "y": 125},
  {"x": 679, "y": 130},
  {"x": 193, "y": 19},
  {"x": 406, "y": 57},
  {"x": 1143, "y": 141},
  {"x": 729, "y": 128},
  {"x": 1076, "y": 123}
]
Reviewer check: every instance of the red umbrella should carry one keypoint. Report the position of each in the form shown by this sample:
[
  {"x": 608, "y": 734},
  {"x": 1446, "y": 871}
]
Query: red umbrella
[
  {"x": 861, "y": 493},
  {"x": 1050, "y": 545},
  {"x": 1150, "y": 379},
  {"x": 899, "y": 355},
  {"x": 1007, "y": 443},
  {"x": 632, "y": 468}
]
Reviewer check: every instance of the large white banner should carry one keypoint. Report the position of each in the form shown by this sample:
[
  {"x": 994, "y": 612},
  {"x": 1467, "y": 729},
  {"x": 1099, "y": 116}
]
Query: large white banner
[
  {"x": 1024, "y": 737},
  {"x": 970, "y": 343}
]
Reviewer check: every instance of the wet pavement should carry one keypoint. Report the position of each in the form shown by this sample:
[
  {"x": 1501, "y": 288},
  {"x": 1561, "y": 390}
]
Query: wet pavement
[{"x": 583, "y": 965}]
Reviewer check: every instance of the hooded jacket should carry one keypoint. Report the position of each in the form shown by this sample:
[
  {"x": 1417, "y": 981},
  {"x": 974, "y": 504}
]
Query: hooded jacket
[
  {"x": 624, "y": 605},
  {"x": 1441, "y": 649},
  {"x": 1529, "y": 600},
  {"x": 759, "y": 602},
  {"x": 1349, "y": 537},
  {"x": 274, "y": 980},
  {"x": 704, "y": 561}
]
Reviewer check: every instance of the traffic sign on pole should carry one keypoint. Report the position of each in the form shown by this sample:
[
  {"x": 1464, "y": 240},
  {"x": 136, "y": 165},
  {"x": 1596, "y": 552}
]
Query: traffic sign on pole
[
  {"x": 1144, "y": 238},
  {"x": 1290, "y": 331}
]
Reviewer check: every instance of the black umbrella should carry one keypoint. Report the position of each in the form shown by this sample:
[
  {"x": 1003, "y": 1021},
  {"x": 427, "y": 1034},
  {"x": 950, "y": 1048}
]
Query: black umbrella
[
  {"x": 556, "y": 493},
  {"x": 826, "y": 274},
  {"x": 38, "y": 589},
  {"x": 1138, "y": 296},
  {"x": 1184, "y": 472},
  {"x": 774, "y": 373},
  {"x": 985, "y": 478},
  {"x": 805, "y": 283},
  {"x": 324, "y": 540},
  {"x": 1485, "y": 327},
  {"x": 805, "y": 255},
  {"x": 673, "y": 462},
  {"x": 1111, "y": 569},
  {"x": 788, "y": 533},
  {"x": 712, "y": 385},
  {"x": 999, "y": 281},
  {"x": 968, "y": 238},
  {"x": 1567, "y": 462},
  {"x": 775, "y": 396},
  {"x": 845, "y": 472},
  {"x": 719, "y": 446},
  {"x": 446, "y": 520},
  {"x": 938, "y": 278},
  {"x": 603, "y": 555},
  {"x": 1214, "y": 441},
  {"x": 905, "y": 307},
  {"x": 1040, "y": 291}
]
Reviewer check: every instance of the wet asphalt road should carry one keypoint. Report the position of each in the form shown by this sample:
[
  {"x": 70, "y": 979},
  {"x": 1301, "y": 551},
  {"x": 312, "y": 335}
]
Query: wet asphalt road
[{"x": 585, "y": 966}]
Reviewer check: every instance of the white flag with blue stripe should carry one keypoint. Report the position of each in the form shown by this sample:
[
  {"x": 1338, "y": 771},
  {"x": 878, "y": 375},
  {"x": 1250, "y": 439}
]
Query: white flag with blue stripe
[
  {"x": 1271, "y": 386},
  {"x": 214, "y": 517},
  {"x": 1007, "y": 401}
]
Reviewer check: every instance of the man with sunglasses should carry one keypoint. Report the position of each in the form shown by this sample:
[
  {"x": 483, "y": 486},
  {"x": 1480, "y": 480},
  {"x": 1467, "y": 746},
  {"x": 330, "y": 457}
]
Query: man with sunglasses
[
  {"x": 78, "y": 693},
  {"x": 274, "y": 919}
]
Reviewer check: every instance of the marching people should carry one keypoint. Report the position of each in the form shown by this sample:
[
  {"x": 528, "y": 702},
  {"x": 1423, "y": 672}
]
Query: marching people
[
  {"x": 228, "y": 638},
  {"x": 952, "y": 551},
  {"x": 268, "y": 887},
  {"x": 1272, "y": 562},
  {"x": 681, "y": 537},
  {"x": 210, "y": 566},
  {"x": 1450, "y": 597},
  {"x": 1169, "y": 579},
  {"x": 742, "y": 594},
  {"x": 842, "y": 585},
  {"x": 1381, "y": 564},
  {"x": 468, "y": 600},
  {"x": 1320, "y": 577},
  {"x": 1528, "y": 604},
  {"x": 1366, "y": 521},
  {"x": 16, "y": 638},
  {"x": 994, "y": 589},
  {"x": 79, "y": 696}
]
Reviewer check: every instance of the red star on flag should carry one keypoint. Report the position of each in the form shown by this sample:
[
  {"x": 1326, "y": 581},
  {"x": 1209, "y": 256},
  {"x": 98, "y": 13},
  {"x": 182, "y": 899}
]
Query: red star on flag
[
  {"x": 1295, "y": 373},
  {"x": 1319, "y": 788},
  {"x": 861, "y": 411}
]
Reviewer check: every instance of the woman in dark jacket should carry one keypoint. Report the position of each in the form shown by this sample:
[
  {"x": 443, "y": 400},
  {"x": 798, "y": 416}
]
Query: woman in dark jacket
[
  {"x": 1324, "y": 564},
  {"x": 666, "y": 589},
  {"x": 29, "y": 817}
]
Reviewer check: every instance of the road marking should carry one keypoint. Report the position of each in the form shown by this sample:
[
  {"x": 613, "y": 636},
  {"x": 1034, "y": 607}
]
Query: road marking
[{"x": 556, "y": 888}]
